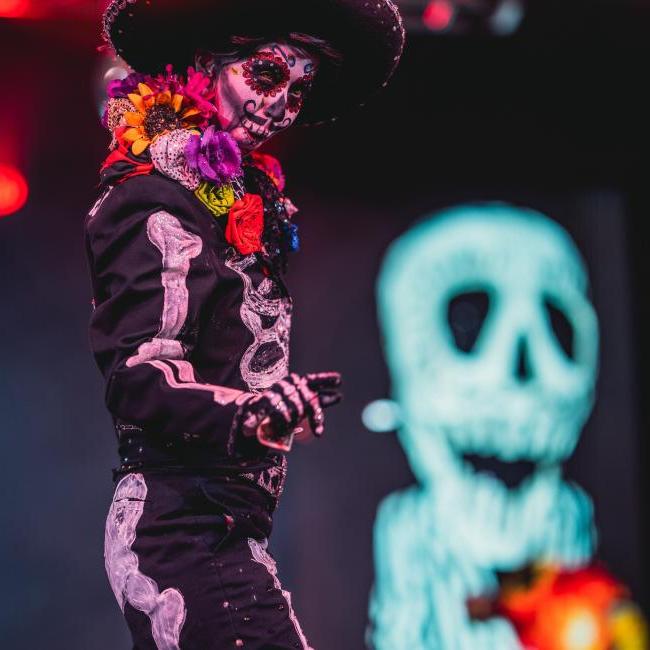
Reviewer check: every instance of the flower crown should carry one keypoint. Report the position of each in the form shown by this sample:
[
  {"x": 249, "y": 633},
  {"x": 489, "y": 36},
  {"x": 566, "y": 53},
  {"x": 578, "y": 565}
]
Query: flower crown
[{"x": 167, "y": 123}]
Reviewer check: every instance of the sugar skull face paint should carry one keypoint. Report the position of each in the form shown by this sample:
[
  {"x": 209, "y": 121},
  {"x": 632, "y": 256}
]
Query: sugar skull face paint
[{"x": 261, "y": 95}]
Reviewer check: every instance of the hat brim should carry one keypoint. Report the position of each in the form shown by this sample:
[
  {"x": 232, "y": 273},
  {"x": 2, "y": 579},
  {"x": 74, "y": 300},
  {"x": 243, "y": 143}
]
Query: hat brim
[{"x": 369, "y": 34}]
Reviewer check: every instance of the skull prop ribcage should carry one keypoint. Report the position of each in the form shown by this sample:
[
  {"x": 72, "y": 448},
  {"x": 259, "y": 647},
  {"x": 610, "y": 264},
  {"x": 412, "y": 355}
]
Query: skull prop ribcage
[
  {"x": 492, "y": 347},
  {"x": 268, "y": 318}
]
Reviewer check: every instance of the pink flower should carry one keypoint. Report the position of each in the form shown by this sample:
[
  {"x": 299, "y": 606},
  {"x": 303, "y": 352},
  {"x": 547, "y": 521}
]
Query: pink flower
[{"x": 197, "y": 89}]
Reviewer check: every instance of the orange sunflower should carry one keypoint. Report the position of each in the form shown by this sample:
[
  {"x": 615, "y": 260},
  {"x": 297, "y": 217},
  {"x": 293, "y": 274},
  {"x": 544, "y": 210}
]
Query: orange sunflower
[{"x": 157, "y": 113}]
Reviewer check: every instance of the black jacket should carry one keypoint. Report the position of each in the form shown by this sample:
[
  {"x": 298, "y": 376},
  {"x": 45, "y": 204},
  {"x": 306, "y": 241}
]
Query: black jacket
[{"x": 183, "y": 327}]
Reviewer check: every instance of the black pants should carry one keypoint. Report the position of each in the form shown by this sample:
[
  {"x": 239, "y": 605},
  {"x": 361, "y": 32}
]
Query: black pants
[{"x": 187, "y": 559}]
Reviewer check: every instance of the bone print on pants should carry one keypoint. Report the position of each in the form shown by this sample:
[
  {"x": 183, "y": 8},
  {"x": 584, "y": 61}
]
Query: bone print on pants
[
  {"x": 167, "y": 609},
  {"x": 203, "y": 540}
]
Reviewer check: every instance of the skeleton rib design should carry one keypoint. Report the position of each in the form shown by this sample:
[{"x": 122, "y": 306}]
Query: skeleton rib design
[{"x": 257, "y": 306}]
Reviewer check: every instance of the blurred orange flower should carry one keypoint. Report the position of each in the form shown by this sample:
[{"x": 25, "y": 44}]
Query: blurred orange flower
[{"x": 567, "y": 610}]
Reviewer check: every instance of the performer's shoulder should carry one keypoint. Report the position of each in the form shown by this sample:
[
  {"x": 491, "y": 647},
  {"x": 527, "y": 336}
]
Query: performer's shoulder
[{"x": 136, "y": 199}]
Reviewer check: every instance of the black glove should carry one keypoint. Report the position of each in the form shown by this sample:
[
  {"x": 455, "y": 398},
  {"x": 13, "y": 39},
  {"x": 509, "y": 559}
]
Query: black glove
[{"x": 275, "y": 415}]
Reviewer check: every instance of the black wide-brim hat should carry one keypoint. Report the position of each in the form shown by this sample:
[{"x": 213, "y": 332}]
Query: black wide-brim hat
[{"x": 150, "y": 34}]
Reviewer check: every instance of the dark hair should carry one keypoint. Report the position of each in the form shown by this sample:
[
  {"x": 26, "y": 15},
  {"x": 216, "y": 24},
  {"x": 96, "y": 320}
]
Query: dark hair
[{"x": 245, "y": 45}]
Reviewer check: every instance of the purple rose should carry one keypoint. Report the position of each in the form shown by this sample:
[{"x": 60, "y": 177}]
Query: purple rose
[
  {"x": 122, "y": 87},
  {"x": 215, "y": 156}
]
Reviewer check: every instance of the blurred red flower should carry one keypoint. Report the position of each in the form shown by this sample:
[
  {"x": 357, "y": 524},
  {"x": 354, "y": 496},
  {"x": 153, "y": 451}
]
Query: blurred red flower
[
  {"x": 271, "y": 166},
  {"x": 564, "y": 609}
]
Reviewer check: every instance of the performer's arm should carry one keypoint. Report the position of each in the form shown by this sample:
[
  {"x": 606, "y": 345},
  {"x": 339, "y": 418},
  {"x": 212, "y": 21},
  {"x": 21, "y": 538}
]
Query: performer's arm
[
  {"x": 152, "y": 277},
  {"x": 153, "y": 274}
]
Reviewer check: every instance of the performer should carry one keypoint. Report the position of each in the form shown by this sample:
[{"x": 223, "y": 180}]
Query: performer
[{"x": 187, "y": 245}]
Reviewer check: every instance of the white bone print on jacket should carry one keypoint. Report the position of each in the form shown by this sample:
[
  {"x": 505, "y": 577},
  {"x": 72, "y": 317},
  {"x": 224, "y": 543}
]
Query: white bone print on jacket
[
  {"x": 166, "y": 610},
  {"x": 178, "y": 248},
  {"x": 267, "y": 360}
]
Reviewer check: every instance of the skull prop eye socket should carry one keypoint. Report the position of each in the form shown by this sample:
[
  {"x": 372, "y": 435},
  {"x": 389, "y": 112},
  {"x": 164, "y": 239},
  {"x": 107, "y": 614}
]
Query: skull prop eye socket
[
  {"x": 467, "y": 312},
  {"x": 561, "y": 326}
]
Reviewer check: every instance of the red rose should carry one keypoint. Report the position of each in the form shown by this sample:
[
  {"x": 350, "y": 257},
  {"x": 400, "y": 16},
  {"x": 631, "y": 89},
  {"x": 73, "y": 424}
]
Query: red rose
[{"x": 246, "y": 224}]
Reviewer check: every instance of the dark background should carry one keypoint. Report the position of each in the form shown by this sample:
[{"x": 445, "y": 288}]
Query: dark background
[{"x": 553, "y": 118}]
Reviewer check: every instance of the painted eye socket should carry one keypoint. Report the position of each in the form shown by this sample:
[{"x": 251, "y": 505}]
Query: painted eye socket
[
  {"x": 266, "y": 73},
  {"x": 561, "y": 325},
  {"x": 466, "y": 315},
  {"x": 298, "y": 92}
]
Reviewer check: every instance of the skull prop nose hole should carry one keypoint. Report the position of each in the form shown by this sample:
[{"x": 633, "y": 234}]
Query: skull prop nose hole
[
  {"x": 523, "y": 368},
  {"x": 466, "y": 314},
  {"x": 561, "y": 326}
]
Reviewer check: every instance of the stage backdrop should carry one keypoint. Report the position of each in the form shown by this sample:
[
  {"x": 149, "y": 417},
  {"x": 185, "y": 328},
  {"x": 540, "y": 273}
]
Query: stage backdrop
[{"x": 521, "y": 121}]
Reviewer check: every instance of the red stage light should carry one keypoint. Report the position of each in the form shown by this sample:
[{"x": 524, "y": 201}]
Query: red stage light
[
  {"x": 438, "y": 15},
  {"x": 13, "y": 190},
  {"x": 14, "y": 8}
]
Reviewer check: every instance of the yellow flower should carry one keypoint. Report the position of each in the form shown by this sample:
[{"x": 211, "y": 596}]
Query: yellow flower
[
  {"x": 629, "y": 629},
  {"x": 218, "y": 200},
  {"x": 155, "y": 114}
]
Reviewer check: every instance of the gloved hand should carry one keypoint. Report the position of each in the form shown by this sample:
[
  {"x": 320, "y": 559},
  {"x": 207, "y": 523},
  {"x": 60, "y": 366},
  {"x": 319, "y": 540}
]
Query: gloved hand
[{"x": 275, "y": 415}]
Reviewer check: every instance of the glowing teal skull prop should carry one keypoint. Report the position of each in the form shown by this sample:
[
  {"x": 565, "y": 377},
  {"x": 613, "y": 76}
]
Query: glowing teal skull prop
[{"x": 492, "y": 345}]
